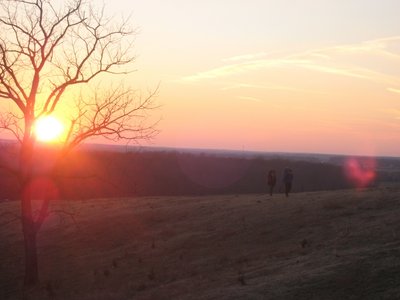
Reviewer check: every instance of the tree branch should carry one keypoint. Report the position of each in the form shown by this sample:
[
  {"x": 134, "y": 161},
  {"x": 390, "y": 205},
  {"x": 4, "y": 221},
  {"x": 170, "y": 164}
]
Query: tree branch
[{"x": 7, "y": 213}]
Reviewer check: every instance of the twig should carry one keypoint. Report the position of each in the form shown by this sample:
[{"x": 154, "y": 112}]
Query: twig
[
  {"x": 10, "y": 221},
  {"x": 70, "y": 214}
]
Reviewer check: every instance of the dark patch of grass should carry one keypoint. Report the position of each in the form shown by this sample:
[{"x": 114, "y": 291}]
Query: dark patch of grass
[{"x": 106, "y": 273}]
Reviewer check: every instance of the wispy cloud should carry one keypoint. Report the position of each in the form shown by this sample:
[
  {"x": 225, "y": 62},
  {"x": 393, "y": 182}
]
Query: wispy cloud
[
  {"x": 268, "y": 87},
  {"x": 343, "y": 71},
  {"x": 234, "y": 69},
  {"x": 393, "y": 90},
  {"x": 393, "y": 116},
  {"x": 364, "y": 60},
  {"x": 245, "y": 57},
  {"x": 249, "y": 98}
]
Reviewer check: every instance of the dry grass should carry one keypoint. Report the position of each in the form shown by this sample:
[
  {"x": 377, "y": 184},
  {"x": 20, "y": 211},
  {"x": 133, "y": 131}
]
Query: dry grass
[{"x": 324, "y": 245}]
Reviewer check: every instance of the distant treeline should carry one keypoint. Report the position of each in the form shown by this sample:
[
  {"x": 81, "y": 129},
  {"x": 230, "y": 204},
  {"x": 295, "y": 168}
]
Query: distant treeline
[{"x": 94, "y": 174}]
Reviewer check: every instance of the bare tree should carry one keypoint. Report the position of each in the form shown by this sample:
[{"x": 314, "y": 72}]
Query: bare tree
[{"x": 48, "y": 50}]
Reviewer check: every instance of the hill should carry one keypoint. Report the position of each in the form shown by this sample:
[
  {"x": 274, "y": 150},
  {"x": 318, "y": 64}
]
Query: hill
[
  {"x": 91, "y": 173},
  {"x": 313, "y": 245}
]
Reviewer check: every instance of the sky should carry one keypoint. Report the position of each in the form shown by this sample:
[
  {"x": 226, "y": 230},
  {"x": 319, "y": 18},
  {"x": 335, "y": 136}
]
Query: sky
[
  {"x": 312, "y": 76},
  {"x": 294, "y": 76}
]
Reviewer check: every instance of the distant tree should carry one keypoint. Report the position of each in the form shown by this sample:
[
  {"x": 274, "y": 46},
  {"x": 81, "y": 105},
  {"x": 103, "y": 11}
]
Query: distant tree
[{"x": 47, "y": 50}]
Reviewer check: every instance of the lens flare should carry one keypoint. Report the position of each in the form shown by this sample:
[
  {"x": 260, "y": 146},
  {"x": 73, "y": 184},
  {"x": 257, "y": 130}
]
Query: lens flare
[
  {"x": 361, "y": 172},
  {"x": 42, "y": 188}
]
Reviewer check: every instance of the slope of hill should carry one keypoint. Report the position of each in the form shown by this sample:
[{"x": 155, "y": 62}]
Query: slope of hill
[
  {"x": 96, "y": 171},
  {"x": 316, "y": 245}
]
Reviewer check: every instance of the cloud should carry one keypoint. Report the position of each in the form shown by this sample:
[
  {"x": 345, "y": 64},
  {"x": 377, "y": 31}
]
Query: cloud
[
  {"x": 392, "y": 116},
  {"x": 342, "y": 71},
  {"x": 246, "y": 57},
  {"x": 375, "y": 60},
  {"x": 269, "y": 87},
  {"x": 393, "y": 90},
  {"x": 249, "y": 98},
  {"x": 238, "y": 68}
]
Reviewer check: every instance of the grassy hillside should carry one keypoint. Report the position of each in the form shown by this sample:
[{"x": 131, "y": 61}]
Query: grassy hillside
[
  {"x": 317, "y": 245},
  {"x": 88, "y": 174}
]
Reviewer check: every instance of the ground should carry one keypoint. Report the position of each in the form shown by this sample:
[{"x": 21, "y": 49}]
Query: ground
[{"x": 321, "y": 245}]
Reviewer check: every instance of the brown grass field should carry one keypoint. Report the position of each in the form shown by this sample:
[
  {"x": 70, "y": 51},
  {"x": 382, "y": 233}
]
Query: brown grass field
[{"x": 318, "y": 245}]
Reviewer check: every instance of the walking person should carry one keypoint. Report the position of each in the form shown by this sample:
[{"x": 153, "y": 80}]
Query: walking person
[
  {"x": 287, "y": 180},
  {"x": 271, "y": 180}
]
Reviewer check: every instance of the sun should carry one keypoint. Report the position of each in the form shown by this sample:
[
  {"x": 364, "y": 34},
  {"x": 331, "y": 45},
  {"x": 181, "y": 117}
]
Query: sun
[{"x": 48, "y": 129}]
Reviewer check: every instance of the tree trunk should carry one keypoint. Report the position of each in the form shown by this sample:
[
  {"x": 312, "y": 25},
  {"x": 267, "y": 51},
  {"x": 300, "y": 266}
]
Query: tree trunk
[
  {"x": 31, "y": 260},
  {"x": 30, "y": 233},
  {"x": 29, "y": 229}
]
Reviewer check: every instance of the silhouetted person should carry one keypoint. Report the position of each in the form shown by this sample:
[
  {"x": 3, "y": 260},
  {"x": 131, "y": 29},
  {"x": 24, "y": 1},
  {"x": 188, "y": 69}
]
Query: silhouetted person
[
  {"x": 287, "y": 180},
  {"x": 271, "y": 180}
]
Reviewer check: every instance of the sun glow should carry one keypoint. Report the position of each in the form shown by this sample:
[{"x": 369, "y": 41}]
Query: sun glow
[{"x": 48, "y": 129}]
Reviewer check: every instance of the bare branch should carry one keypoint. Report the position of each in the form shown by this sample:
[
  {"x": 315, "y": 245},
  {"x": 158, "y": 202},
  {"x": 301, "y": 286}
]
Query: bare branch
[
  {"x": 10, "y": 221},
  {"x": 118, "y": 115},
  {"x": 7, "y": 213},
  {"x": 60, "y": 212},
  {"x": 49, "y": 49},
  {"x": 42, "y": 214},
  {"x": 11, "y": 122}
]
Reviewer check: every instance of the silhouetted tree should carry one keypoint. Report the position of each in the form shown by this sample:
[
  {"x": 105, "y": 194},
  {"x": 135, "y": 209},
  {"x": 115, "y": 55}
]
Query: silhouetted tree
[{"x": 48, "y": 49}]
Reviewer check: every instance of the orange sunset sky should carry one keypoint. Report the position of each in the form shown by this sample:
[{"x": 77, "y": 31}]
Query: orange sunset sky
[
  {"x": 296, "y": 76},
  {"x": 316, "y": 76}
]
